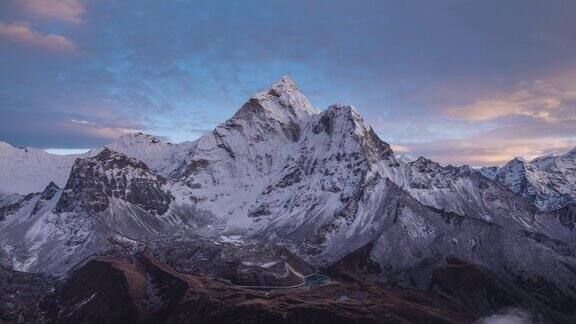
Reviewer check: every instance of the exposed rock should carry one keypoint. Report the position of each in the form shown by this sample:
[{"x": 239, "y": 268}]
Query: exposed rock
[{"x": 94, "y": 181}]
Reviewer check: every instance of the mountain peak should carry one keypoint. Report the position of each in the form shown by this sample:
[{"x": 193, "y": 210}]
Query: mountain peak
[
  {"x": 341, "y": 106},
  {"x": 283, "y": 87},
  {"x": 344, "y": 109},
  {"x": 52, "y": 185},
  {"x": 518, "y": 159},
  {"x": 284, "y": 82},
  {"x": 4, "y": 146},
  {"x": 571, "y": 153},
  {"x": 112, "y": 157},
  {"x": 138, "y": 137},
  {"x": 282, "y": 101}
]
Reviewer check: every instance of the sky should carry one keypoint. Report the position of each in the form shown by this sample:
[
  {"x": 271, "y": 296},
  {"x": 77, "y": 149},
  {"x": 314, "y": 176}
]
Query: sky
[{"x": 458, "y": 81}]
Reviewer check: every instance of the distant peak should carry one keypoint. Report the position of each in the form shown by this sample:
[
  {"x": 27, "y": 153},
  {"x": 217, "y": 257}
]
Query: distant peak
[
  {"x": 518, "y": 159},
  {"x": 4, "y": 145},
  {"x": 137, "y": 138},
  {"x": 571, "y": 153},
  {"x": 423, "y": 161},
  {"x": 136, "y": 135},
  {"x": 52, "y": 184},
  {"x": 515, "y": 163},
  {"x": 343, "y": 108},
  {"x": 49, "y": 190},
  {"x": 403, "y": 157}
]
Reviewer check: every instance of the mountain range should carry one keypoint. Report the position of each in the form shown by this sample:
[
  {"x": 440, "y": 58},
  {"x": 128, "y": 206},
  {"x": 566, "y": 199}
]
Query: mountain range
[{"x": 276, "y": 195}]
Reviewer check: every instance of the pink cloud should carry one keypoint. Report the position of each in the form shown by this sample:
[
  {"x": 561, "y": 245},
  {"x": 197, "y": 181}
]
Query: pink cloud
[
  {"x": 531, "y": 119},
  {"x": 94, "y": 129},
  {"x": 540, "y": 99},
  {"x": 489, "y": 149},
  {"x": 23, "y": 33},
  {"x": 400, "y": 148},
  {"x": 66, "y": 10}
]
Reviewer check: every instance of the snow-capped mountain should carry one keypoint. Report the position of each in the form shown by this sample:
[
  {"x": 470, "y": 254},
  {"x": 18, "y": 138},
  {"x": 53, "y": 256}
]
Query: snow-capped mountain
[
  {"x": 547, "y": 181},
  {"x": 109, "y": 199},
  {"x": 319, "y": 183},
  {"x": 164, "y": 158},
  {"x": 27, "y": 170}
]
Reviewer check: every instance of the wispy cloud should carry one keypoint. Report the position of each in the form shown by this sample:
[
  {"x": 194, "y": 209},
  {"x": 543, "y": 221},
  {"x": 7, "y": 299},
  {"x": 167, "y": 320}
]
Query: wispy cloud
[
  {"x": 400, "y": 148},
  {"x": 532, "y": 119},
  {"x": 97, "y": 130},
  {"x": 540, "y": 99},
  {"x": 66, "y": 151},
  {"x": 490, "y": 149},
  {"x": 65, "y": 10},
  {"x": 85, "y": 122},
  {"x": 25, "y": 34},
  {"x": 508, "y": 316}
]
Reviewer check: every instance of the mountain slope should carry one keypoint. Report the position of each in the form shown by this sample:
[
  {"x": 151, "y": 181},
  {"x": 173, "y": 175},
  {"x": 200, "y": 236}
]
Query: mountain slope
[{"x": 109, "y": 202}]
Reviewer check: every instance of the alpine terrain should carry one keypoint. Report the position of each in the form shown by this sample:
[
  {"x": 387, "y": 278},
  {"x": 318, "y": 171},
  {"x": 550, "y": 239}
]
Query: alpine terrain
[{"x": 284, "y": 213}]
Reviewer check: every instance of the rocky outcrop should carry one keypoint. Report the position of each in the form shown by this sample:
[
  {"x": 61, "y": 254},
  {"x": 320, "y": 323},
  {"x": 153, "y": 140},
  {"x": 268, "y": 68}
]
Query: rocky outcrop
[
  {"x": 48, "y": 194},
  {"x": 95, "y": 181}
]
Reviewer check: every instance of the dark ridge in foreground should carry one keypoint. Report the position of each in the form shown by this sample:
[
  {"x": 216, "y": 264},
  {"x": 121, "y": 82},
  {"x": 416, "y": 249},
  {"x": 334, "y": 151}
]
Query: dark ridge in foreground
[
  {"x": 143, "y": 290},
  {"x": 20, "y": 294},
  {"x": 474, "y": 290}
]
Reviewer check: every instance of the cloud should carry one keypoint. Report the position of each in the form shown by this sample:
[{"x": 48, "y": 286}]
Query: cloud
[
  {"x": 66, "y": 151},
  {"x": 97, "y": 130},
  {"x": 523, "y": 136},
  {"x": 65, "y": 10},
  {"x": 400, "y": 148},
  {"x": 108, "y": 132},
  {"x": 85, "y": 122},
  {"x": 41, "y": 123},
  {"x": 24, "y": 34},
  {"x": 489, "y": 150},
  {"x": 509, "y": 316},
  {"x": 538, "y": 99},
  {"x": 532, "y": 119}
]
